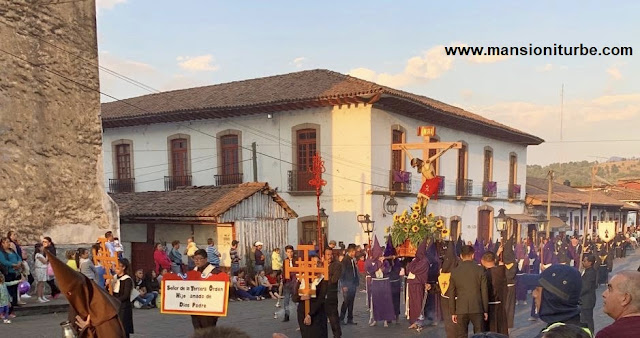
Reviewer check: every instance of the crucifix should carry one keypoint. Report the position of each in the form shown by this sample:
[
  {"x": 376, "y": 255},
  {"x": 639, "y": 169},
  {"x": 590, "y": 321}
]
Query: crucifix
[
  {"x": 426, "y": 167},
  {"x": 307, "y": 271},
  {"x": 103, "y": 257}
]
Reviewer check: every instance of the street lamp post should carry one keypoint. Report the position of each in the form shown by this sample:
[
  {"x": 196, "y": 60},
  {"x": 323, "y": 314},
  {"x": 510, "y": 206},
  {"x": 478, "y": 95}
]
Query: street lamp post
[
  {"x": 390, "y": 206},
  {"x": 501, "y": 222},
  {"x": 367, "y": 226}
]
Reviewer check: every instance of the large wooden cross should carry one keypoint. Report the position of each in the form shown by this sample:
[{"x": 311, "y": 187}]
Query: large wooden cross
[
  {"x": 307, "y": 271},
  {"x": 427, "y": 145},
  {"x": 103, "y": 257}
]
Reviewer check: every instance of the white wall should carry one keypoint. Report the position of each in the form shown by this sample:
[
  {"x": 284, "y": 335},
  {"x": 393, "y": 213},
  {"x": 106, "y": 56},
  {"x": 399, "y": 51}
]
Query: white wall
[{"x": 355, "y": 144}]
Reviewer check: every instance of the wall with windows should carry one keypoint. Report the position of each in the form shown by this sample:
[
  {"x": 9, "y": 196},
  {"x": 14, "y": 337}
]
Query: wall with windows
[{"x": 355, "y": 143}]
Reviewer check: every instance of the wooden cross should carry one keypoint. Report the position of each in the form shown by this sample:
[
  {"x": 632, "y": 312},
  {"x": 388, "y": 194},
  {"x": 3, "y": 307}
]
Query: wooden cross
[
  {"x": 427, "y": 145},
  {"x": 103, "y": 257},
  {"x": 307, "y": 271}
]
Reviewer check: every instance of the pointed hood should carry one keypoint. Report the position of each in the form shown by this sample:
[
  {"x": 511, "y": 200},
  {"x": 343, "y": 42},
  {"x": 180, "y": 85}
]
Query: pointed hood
[
  {"x": 508, "y": 255},
  {"x": 478, "y": 251},
  {"x": 459, "y": 245},
  {"x": 376, "y": 250},
  {"x": 422, "y": 250},
  {"x": 449, "y": 260},
  {"x": 389, "y": 249},
  {"x": 86, "y": 297},
  {"x": 419, "y": 266}
]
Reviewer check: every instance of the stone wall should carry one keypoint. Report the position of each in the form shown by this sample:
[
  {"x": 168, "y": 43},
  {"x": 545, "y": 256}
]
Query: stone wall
[{"x": 50, "y": 132}]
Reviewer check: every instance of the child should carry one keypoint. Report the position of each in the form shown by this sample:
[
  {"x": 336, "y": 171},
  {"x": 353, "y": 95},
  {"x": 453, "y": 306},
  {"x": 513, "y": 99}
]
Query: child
[
  {"x": 5, "y": 298},
  {"x": 40, "y": 271},
  {"x": 272, "y": 281},
  {"x": 118, "y": 247},
  {"x": 242, "y": 290},
  {"x": 71, "y": 259},
  {"x": 85, "y": 265}
]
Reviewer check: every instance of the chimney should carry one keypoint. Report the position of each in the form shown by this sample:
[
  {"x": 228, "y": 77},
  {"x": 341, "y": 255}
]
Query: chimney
[{"x": 567, "y": 183}]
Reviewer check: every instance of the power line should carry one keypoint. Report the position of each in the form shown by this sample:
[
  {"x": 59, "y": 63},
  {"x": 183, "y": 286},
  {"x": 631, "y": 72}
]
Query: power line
[{"x": 180, "y": 124}]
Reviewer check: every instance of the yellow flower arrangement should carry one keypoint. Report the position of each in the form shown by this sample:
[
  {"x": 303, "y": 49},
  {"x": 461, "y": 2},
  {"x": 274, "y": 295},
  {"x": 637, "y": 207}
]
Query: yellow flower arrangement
[
  {"x": 415, "y": 225},
  {"x": 445, "y": 232},
  {"x": 439, "y": 223},
  {"x": 387, "y": 229}
]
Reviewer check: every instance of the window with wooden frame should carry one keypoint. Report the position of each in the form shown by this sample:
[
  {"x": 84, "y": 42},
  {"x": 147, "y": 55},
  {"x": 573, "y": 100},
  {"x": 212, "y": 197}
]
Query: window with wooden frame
[
  {"x": 462, "y": 162},
  {"x": 179, "y": 157},
  {"x": 306, "y": 144},
  {"x": 230, "y": 157},
  {"x": 513, "y": 167},
  {"x": 397, "y": 157},
  {"x": 123, "y": 161},
  {"x": 433, "y": 152},
  {"x": 488, "y": 164}
]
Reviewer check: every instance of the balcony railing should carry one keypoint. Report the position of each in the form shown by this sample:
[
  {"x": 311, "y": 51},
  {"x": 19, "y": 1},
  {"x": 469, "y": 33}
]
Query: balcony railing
[
  {"x": 122, "y": 185},
  {"x": 173, "y": 182},
  {"x": 489, "y": 189},
  {"x": 228, "y": 179},
  {"x": 514, "y": 191},
  {"x": 464, "y": 187},
  {"x": 441, "y": 186},
  {"x": 298, "y": 180},
  {"x": 400, "y": 181}
]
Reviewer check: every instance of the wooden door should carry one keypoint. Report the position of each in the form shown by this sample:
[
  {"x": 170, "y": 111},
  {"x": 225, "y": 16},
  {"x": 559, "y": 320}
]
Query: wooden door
[
  {"x": 142, "y": 257},
  {"x": 309, "y": 231},
  {"x": 484, "y": 225},
  {"x": 179, "y": 157},
  {"x": 455, "y": 226},
  {"x": 225, "y": 234}
]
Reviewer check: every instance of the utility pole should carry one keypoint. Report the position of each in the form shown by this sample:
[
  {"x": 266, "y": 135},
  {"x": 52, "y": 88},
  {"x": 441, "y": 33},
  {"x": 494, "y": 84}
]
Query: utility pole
[
  {"x": 255, "y": 162},
  {"x": 550, "y": 175}
]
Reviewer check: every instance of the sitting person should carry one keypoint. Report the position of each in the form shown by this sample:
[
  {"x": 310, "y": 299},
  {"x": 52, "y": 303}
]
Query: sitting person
[
  {"x": 146, "y": 299},
  {"x": 270, "y": 282},
  {"x": 152, "y": 283},
  {"x": 245, "y": 292},
  {"x": 256, "y": 285}
]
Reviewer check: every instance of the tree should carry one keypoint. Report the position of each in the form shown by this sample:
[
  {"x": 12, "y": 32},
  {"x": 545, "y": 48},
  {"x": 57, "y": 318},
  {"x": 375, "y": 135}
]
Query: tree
[{"x": 615, "y": 169}]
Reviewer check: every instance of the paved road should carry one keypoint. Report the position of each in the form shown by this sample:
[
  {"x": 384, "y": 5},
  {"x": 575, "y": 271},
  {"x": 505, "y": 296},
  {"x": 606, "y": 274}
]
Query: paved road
[{"x": 256, "y": 318}]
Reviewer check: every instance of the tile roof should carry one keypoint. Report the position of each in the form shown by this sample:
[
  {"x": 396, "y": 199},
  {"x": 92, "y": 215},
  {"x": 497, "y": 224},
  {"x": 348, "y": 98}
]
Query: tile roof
[
  {"x": 271, "y": 93},
  {"x": 204, "y": 201},
  {"x": 622, "y": 194},
  {"x": 537, "y": 188}
]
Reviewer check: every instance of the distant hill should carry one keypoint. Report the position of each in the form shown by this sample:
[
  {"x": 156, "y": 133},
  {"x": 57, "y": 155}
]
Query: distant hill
[{"x": 579, "y": 173}]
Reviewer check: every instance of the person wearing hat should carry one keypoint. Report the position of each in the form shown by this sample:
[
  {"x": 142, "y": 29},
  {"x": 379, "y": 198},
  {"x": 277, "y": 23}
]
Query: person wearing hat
[
  {"x": 557, "y": 296},
  {"x": 259, "y": 257}
]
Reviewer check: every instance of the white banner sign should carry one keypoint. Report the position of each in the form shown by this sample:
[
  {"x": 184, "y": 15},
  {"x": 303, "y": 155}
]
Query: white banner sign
[{"x": 206, "y": 298}]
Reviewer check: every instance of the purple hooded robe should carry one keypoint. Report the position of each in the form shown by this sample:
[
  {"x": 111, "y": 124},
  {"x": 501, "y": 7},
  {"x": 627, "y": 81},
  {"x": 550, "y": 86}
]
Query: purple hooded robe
[
  {"x": 419, "y": 270},
  {"x": 381, "y": 303}
]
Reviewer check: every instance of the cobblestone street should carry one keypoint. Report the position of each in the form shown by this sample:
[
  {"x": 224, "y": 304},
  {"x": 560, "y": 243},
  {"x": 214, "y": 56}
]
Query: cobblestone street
[{"x": 256, "y": 318}]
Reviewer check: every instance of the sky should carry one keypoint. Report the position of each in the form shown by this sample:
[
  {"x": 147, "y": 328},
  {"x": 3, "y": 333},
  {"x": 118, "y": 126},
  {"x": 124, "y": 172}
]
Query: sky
[{"x": 596, "y": 99}]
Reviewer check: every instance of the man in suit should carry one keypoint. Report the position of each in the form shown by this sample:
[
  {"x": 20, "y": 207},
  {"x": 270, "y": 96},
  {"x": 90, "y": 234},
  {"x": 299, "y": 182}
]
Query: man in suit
[
  {"x": 469, "y": 300},
  {"x": 331, "y": 303},
  {"x": 350, "y": 281},
  {"x": 588, "y": 292},
  {"x": 497, "y": 289}
]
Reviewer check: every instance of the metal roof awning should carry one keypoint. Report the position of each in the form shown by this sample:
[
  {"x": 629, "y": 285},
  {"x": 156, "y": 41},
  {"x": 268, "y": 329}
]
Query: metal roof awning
[
  {"x": 522, "y": 218},
  {"x": 557, "y": 224}
]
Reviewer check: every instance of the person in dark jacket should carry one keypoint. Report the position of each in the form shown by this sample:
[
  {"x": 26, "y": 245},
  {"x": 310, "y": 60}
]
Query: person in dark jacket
[
  {"x": 350, "y": 281},
  {"x": 48, "y": 245},
  {"x": 314, "y": 324},
  {"x": 122, "y": 291},
  {"x": 588, "y": 292},
  {"x": 449, "y": 262},
  {"x": 331, "y": 303},
  {"x": 469, "y": 301}
]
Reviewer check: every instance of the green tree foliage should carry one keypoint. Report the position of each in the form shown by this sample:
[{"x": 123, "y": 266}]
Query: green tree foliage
[{"x": 579, "y": 173}]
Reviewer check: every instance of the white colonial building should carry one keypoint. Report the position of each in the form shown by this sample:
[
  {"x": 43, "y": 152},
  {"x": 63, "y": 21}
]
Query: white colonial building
[{"x": 204, "y": 136}]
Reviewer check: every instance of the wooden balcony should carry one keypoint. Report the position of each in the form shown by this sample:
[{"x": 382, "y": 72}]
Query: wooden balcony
[
  {"x": 122, "y": 185},
  {"x": 464, "y": 187},
  {"x": 173, "y": 182},
  {"x": 489, "y": 189},
  {"x": 228, "y": 179},
  {"x": 399, "y": 181}
]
